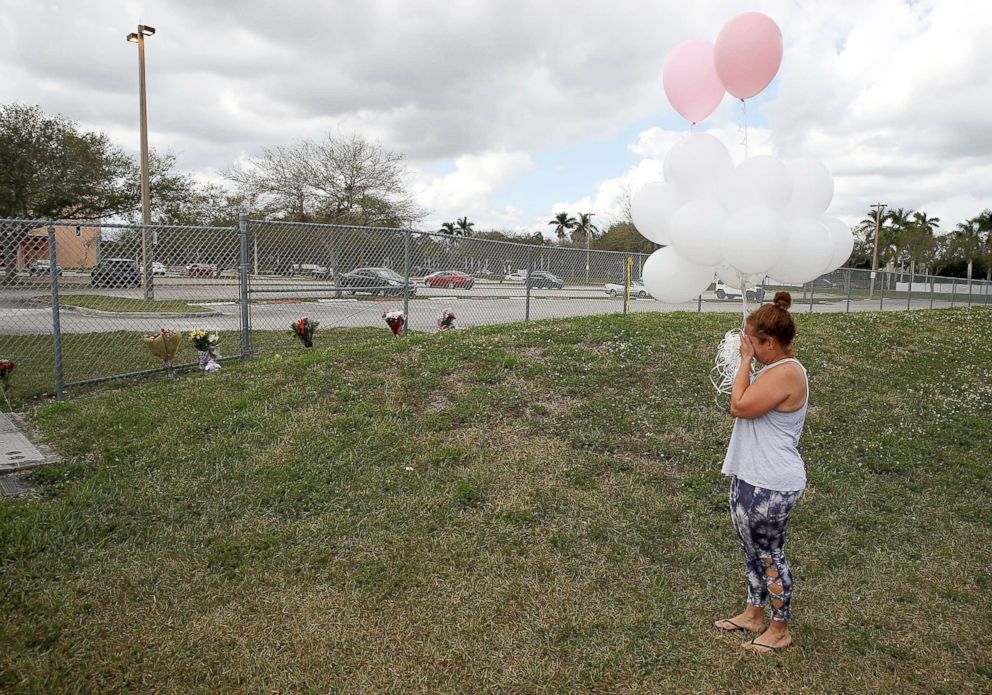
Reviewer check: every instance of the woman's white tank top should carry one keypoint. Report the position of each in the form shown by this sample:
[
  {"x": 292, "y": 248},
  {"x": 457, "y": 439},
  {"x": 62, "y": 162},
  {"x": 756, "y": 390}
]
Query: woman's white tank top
[{"x": 763, "y": 451}]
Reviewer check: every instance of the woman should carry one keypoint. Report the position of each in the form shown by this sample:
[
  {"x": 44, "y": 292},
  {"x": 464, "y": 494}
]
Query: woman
[{"x": 767, "y": 474}]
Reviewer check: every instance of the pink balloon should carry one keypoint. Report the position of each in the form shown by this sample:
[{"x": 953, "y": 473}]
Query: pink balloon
[
  {"x": 748, "y": 53},
  {"x": 691, "y": 82}
]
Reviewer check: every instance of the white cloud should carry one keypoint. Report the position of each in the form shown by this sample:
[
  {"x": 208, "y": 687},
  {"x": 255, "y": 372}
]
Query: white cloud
[{"x": 469, "y": 188}]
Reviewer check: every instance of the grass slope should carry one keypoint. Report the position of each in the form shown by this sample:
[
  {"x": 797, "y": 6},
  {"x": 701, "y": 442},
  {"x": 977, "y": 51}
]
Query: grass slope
[{"x": 532, "y": 508}]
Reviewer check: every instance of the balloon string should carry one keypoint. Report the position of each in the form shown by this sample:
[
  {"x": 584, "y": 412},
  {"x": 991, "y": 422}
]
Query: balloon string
[{"x": 744, "y": 125}]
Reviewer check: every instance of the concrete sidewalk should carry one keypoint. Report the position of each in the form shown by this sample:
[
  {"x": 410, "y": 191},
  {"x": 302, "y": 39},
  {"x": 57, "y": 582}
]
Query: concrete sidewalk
[{"x": 17, "y": 452}]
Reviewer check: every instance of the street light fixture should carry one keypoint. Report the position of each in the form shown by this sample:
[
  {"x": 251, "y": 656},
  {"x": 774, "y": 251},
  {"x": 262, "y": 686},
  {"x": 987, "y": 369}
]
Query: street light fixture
[{"x": 146, "y": 215}]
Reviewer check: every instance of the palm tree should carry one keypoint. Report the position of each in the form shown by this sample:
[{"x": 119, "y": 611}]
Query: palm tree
[
  {"x": 563, "y": 224},
  {"x": 584, "y": 228},
  {"x": 919, "y": 238},
  {"x": 464, "y": 227},
  {"x": 967, "y": 242},
  {"x": 893, "y": 235},
  {"x": 984, "y": 220},
  {"x": 448, "y": 228}
]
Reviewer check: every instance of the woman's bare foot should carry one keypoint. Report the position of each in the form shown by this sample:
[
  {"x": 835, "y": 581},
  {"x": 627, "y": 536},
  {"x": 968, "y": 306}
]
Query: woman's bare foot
[
  {"x": 776, "y": 637},
  {"x": 749, "y": 621}
]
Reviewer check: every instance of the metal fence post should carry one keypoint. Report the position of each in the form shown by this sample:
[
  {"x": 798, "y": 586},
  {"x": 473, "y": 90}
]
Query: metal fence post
[
  {"x": 243, "y": 287},
  {"x": 931, "y": 292},
  {"x": 812, "y": 287},
  {"x": 910, "y": 299},
  {"x": 881, "y": 291},
  {"x": 53, "y": 279},
  {"x": 969, "y": 292},
  {"x": 954, "y": 287},
  {"x": 699, "y": 304},
  {"x": 530, "y": 269},
  {"x": 848, "y": 310},
  {"x": 406, "y": 277}
]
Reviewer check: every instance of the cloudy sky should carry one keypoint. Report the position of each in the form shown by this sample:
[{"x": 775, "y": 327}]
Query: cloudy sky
[{"x": 511, "y": 110}]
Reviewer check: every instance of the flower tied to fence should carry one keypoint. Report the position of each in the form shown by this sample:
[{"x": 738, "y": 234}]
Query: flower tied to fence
[
  {"x": 163, "y": 345},
  {"x": 304, "y": 328},
  {"x": 446, "y": 321},
  {"x": 206, "y": 344},
  {"x": 395, "y": 321},
  {"x": 6, "y": 369}
]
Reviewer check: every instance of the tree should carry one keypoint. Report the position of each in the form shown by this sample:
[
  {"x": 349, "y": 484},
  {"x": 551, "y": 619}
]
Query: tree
[
  {"x": 448, "y": 228},
  {"x": 346, "y": 180},
  {"x": 463, "y": 227},
  {"x": 984, "y": 221},
  {"x": 563, "y": 224},
  {"x": 967, "y": 243},
  {"x": 584, "y": 229},
  {"x": 50, "y": 169},
  {"x": 918, "y": 238},
  {"x": 623, "y": 236}
]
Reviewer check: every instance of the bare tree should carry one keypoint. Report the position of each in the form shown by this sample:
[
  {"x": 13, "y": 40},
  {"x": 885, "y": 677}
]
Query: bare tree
[{"x": 346, "y": 180}]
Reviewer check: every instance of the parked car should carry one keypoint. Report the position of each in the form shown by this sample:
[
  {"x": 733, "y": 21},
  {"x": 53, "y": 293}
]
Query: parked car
[
  {"x": 450, "y": 279},
  {"x": 202, "y": 270},
  {"x": 115, "y": 272},
  {"x": 541, "y": 279},
  {"x": 323, "y": 273},
  {"x": 384, "y": 281},
  {"x": 823, "y": 283},
  {"x": 515, "y": 276},
  {"x": 158, "y": 268},
  {"x": 637, "y": 289},
  {"x": 42, "y": 267},
  {"x": 725, "y": 291}
]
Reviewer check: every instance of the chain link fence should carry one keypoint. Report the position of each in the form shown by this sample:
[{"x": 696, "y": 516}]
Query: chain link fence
[{"x": 75, "y": 299}]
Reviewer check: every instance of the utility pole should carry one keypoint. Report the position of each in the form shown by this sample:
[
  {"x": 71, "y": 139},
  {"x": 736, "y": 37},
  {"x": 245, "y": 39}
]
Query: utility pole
[
  {"x": 874, "y": 259},
  {"x": 138, "y": 37}
]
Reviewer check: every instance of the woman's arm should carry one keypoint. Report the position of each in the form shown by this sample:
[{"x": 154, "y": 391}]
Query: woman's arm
[{"x": 749, "y": 400}]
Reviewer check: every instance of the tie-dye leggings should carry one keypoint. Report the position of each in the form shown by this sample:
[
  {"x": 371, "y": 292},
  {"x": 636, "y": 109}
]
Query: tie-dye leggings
[{"x": 760, "y": 517}]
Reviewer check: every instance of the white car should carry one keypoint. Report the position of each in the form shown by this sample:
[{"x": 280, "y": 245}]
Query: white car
[
  {"x": 637, "y": 289},
  {"x": 515, "y": 276},
  {"x": 158, "y": 268},
  {"x": 725, "y": 291}
]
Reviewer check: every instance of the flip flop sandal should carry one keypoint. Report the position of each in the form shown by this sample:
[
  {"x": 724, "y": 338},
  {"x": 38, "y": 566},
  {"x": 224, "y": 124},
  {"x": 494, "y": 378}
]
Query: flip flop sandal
[
  {"x": 735, "y": 628},
  {"x": 769, "y": 647}
]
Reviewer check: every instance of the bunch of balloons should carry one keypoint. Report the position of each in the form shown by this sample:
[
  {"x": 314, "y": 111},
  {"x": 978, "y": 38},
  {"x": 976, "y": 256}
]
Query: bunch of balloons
[
  {"x": 745, "y": 58},
  {"x": 762, "y": 217}
]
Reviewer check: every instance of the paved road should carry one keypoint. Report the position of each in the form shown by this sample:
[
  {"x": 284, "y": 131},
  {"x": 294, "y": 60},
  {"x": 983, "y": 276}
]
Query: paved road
[{"x": 277, "y": 303}]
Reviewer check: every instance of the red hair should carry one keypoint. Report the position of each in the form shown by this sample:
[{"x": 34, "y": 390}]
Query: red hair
[{"x": 774, "y": 320}]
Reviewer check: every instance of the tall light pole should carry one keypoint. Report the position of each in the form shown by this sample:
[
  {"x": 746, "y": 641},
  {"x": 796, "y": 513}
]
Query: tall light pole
[
  {"x": 138, "y": 37},
  {"x": 874, "y": 259}
]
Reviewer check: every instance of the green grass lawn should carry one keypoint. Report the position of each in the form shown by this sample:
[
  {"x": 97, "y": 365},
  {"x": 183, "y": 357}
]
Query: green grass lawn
[
  {"x": 95, "y": 355},
  {"x": 123, "y": 305},
  {"x": 526, "y": 508}
]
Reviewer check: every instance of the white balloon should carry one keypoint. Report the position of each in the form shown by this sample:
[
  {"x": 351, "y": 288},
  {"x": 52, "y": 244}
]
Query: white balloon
[
  {"x": 807, "y": 252},
  {"x": 753, "y": 239},
  {"x": 843, "y": 242},
  {"x": 651, "y": 208},
  {"x": 671, "y": 278},
  {"x": 761, "y": 180},
  {"x": 699, "y": 166},
  {"x": 696, "y": 229},
  {"x": 731, "y": 277},
  {"x": 812, "y": 187}
]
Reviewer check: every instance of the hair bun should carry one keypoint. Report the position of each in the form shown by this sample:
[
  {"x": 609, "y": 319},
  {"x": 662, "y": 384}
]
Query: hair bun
[{"x": 783, "y": 300}]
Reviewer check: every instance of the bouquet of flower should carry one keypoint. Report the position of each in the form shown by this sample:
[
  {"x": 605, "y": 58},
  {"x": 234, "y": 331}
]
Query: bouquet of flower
[
  {"x": 6, "y": 368},
  {"x": 395, "y": 321},
  {"x": 163, "y": 345},
  {"x": 206, "y": 344},
  {"x": 446, "y": 321},
  {"x": 304, "y": 328}
]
